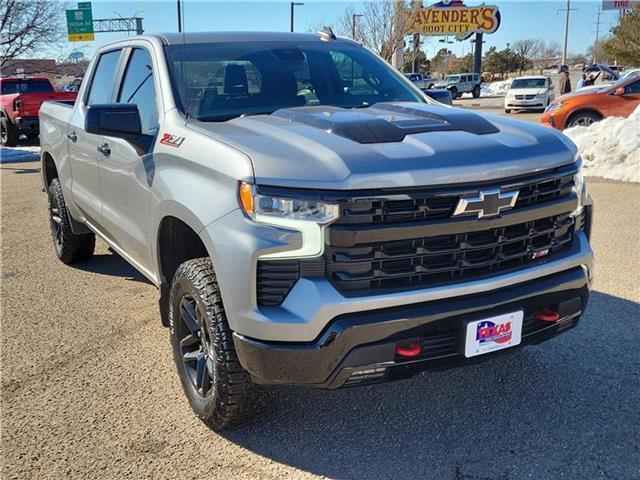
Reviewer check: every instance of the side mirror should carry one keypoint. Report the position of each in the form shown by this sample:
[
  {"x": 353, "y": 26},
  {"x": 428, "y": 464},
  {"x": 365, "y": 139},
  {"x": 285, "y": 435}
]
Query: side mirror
[
  {"x": 120, "y": 120},
  {"x": 619, "y": 91}
]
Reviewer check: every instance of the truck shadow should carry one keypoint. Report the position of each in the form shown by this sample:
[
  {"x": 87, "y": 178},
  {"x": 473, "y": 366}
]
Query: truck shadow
[
  {"x": 563, "y": 408},
  {"x": 111, "y": 264}
]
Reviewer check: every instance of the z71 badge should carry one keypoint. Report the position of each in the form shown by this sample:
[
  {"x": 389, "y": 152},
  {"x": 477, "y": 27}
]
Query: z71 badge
[{"x": 171, "y": 140}]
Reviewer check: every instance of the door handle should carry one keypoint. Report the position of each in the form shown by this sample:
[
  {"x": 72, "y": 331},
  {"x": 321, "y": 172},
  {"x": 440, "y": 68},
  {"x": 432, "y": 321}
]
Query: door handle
[
  {"x": 72, "y": 136},
  {"x": 104, "y": 149}
]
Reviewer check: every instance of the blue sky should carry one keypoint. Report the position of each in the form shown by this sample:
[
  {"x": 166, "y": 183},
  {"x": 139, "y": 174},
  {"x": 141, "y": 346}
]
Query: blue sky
[{"x": 520, "y": 19}]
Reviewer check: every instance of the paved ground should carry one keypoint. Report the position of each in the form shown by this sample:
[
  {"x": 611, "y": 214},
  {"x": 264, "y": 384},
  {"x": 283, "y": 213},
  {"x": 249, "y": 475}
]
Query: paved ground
[{"x": 89, "y": 389}]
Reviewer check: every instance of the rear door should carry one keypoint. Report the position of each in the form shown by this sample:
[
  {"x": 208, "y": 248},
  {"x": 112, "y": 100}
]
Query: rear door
[
  {"x": 83, "y": 153},
  {"x": 126, "y": 174}
]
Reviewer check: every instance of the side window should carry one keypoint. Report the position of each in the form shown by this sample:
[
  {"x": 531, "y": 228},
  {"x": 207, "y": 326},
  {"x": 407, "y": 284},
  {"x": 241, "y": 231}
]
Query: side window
[
  {"x": 633, "y": 87},
  {"x": 138, "y": 87},
  {"x": 102, "y": 82}
]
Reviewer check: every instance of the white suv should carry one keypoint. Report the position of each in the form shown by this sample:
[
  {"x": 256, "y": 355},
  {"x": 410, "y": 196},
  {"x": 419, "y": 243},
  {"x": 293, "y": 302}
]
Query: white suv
[
  {"x": 461, "y": 83},
  {"x": 529, "y": 93}
]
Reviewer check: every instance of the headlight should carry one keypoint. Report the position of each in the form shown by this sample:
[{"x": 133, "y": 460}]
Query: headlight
[
  {"x": 554, "y": 106},
  {"x": 580, "y": 188},
  {"x": 309, "y": 217},
  {"x": 541, "y": 95},
  {"x": 258, "y": 206}
]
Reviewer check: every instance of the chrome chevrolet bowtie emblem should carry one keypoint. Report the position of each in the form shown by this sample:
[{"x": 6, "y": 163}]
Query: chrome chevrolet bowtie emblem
[{"x": 488, "y": 203}]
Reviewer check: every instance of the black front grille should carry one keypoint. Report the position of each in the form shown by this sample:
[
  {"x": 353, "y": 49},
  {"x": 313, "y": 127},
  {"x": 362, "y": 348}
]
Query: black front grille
[
  {"x": 431, "y": 261},
  {"x": 432, "y": 204}
]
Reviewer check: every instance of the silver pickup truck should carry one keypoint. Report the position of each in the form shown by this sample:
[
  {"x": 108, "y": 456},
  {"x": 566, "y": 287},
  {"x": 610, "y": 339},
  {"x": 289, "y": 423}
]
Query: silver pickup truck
[{"x": 309, "y": 216}]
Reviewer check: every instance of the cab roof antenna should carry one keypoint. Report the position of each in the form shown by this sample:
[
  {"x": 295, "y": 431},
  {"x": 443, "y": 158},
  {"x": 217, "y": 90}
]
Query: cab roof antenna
[{"x": 326, "y": 33}]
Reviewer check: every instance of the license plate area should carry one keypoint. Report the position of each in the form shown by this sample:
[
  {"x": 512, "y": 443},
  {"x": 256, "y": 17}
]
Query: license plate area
[{"x": 493, "y": 333}]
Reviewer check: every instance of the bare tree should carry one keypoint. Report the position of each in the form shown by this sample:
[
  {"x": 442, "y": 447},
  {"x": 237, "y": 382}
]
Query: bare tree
[
  {"x": 28, "y": 25},
  {"x": 382, "y": 26},
  {"x": 547, "y": 54},
  {"x": 526, "y": 50}
]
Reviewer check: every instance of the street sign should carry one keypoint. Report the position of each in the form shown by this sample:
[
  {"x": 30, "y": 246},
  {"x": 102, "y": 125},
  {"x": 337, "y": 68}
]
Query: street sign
[
  {"x": 453, "y": 17},
  {"x": 80, "y": 23},
  {"x": 618, "y": 4}
]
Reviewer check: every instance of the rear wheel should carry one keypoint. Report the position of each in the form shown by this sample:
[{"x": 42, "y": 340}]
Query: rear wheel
[
  {"x": 8, "y": 133},
  {"x": 476, "y": 91},
  {"x": 583, "y": 119},
  {"x": 219, "y": 390},
  {"x": 507, "y": 110},
  {"x": 70, "y": 247}
]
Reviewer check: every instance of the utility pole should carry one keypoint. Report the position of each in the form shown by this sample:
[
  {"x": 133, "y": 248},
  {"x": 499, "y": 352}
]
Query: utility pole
[
  {"x": 293, "y": 5},
  {"x": 566, "y": 31},
  {"x": 353, "y": 24},
  {"x": 179, "y": 16}
]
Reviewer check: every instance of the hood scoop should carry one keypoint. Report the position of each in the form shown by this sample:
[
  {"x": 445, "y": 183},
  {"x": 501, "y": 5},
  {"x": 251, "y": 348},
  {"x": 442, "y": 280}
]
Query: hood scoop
[{"x": 386, "y": 122}]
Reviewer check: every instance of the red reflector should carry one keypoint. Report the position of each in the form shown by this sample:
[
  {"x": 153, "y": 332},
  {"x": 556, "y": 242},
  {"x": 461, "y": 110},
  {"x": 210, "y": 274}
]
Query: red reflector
[
  {"x": 408, "y": 349},
  {"x": 548, "y": 315}
]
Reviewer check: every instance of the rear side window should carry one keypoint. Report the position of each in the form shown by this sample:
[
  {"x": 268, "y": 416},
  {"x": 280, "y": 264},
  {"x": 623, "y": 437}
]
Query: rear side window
[
  {"x": 103, "y": 77},
  {"x": 633, "y": 87},
  {"x": 26, "y": 86},
  {"x": 138, "y": 88}
]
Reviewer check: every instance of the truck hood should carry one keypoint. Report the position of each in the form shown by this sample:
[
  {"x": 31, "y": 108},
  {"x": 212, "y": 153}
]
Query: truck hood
[{"x": 388, "y": 145}]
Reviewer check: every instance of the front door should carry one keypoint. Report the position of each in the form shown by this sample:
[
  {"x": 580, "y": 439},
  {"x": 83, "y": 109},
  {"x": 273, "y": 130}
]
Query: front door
[
  {"x": 623, "y": 105},
  {"x": 126, "y": 173},
  {"x": 82, "y": 146}
]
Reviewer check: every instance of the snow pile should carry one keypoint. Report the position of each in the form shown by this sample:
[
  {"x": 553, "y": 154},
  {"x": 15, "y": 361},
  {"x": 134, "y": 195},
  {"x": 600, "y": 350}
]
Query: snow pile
[
  {"x": 610, "y": 148},
  {"x": 495, "y": 89},
  {"x": 19, "y": 154}
]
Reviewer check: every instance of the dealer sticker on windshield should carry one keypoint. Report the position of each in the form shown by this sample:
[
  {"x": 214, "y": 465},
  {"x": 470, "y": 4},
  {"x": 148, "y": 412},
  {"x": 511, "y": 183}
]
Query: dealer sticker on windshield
[{"x": 495, "y": 333}]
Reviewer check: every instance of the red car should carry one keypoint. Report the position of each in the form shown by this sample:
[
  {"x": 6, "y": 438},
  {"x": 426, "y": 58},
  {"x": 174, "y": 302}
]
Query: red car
[
  {"x": 20, "y": 100},
  {"x": 590, "y": 105}
]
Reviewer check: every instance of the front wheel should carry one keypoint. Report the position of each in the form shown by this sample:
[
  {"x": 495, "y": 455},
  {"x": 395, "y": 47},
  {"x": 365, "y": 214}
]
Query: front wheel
[
  {"x": 454, "y": 92},
  {"x": 507, "y": 110},
  {"x": 219, "y": 390},
  {"x": 583, "y": 119},
  {"x": 70, "y": 247}
]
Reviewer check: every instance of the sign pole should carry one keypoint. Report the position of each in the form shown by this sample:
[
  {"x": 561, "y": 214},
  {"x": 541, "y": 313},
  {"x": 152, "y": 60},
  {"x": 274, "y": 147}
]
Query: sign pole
[
  {"x": 477, "y": 54},
  {"x": 566, "y": 34}
]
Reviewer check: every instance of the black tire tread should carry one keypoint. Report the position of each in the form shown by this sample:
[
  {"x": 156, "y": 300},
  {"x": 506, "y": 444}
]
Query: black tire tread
[
  {"x": 12, "y": 132},
  {"x": 75, "y": 248},
  {"x": 234, "y": 392}
]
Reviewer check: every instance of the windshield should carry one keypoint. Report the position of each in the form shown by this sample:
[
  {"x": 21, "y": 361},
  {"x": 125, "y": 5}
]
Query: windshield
[
  {"x": 221, "y": 81},
  {"x": 528, "y": 83},
  {"x": 452, "y": 78},
  {"x": 26, "y": 86}
]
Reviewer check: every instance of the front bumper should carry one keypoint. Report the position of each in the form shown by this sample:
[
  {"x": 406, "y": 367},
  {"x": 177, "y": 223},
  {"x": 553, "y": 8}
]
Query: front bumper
[
  {"x": 359, "y": 348},
  {"x": 525, "y": 104}
]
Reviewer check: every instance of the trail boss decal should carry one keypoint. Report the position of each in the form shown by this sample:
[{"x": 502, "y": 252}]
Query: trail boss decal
[{"x": 171, "y": 140}]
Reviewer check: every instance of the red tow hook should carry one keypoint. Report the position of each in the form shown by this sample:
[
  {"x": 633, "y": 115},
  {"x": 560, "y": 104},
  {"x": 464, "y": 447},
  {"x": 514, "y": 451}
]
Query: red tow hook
[
  {"x": 548, "y": 315},
  {"x": 408, "y": 349}
]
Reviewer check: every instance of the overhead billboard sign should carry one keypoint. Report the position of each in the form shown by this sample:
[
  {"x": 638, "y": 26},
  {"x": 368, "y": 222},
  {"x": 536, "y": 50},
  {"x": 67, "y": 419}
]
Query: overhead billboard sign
[
  {"x": 618, "y": 4},
  {"x": 80, "y": 23},
  {"x": 453, "y": 17}
]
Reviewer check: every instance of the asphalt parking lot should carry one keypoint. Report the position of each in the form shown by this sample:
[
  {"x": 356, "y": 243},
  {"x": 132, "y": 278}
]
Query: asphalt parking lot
[{"x": 89, "y": 388}]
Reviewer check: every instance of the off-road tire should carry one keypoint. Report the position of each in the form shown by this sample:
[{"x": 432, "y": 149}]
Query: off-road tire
[
  {"x": 585, "y": 119},
  {"x": 507, "y": 110},
  {"x": 476, "y": 91},
  {"x": 8, "y": 133},
  {"x": 231, "y": 395},
  {"x": 70, "y": 247},
  {"x": 454, "y": 92}
]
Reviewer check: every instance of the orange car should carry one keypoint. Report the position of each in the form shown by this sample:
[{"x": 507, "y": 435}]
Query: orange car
[{"x": 585, "y": 107}]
